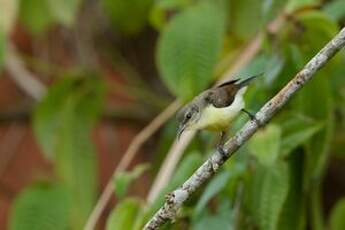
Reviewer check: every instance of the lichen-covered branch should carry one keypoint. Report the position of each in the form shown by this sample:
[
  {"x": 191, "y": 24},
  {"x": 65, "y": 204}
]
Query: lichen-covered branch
[{"x": 175, "y": 199}]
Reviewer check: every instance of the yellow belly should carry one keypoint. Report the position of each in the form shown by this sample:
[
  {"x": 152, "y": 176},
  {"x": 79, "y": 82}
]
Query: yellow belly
[
  {"x": 219, "y": 119},
  {"x": 215, "y": 119}
]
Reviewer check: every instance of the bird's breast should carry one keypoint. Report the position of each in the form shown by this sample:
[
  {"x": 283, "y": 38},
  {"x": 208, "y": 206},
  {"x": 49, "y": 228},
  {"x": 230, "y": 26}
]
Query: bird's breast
[{"x": 217, "y": 119}]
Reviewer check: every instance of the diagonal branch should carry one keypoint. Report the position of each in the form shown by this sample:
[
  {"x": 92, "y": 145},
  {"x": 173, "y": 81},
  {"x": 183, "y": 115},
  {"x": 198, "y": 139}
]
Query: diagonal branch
[
  {"x": 176, "y": 198},
  {"x": 177, "y": 149},
  {"x": 21, "y": 76}
]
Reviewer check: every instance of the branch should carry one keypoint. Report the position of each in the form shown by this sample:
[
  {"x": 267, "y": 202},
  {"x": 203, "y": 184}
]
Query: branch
[
  {"x": 21, "y": 76},
  {"x": 176, "y": 198},
  {"x": 127, "y": 158},
  {"x": 178, "y": 148}
]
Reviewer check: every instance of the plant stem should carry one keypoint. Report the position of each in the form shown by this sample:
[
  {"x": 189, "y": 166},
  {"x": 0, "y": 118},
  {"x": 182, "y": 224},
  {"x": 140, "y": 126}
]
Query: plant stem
[{"x": 176, "y": 198}]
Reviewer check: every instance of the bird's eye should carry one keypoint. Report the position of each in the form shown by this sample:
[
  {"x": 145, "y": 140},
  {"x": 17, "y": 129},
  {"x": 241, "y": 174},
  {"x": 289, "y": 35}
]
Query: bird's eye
[{"x": 188, "y": 115}]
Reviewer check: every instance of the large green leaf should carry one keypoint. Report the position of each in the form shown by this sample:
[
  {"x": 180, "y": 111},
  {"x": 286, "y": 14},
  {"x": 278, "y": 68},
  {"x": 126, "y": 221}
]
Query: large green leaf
[
  {"x": 41, "y": 207},
  {"x": 129, "y": 16},
  {"x": 35, "y": 15},
  {"x": 217, "y": 184},
  {"x": 64, "y": 11},
  {"x": 337, "y": 217},
  {"x": 293, "y": 212},
  {"x": 335, "y": 9},
  {"x": 265, "y": 144},
  {"x": 296, "y": 130},
  {"x": 62, "y": 123},
  {"x": 246, "y": 17},
  {"x": 189, "y": 49},
  {"x": 46, "y": 119},
  {"x": 38, "y": 15},
  {"x": 316, "y": 101},
  {"x": 270, "y": 190},
  {"x": 123, "y": 216},
  {"x": 223, "y": 219}
]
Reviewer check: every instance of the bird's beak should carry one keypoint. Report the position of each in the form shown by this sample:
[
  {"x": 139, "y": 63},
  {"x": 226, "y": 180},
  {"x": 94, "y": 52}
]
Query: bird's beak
[{"x": 180, "y": 131}]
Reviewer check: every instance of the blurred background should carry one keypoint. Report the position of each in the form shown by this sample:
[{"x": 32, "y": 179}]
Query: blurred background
[{"x": 88, "y": 87}]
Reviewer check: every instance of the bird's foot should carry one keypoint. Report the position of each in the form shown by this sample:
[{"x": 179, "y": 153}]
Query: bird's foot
[
  {"x": 221, "y": 150},
  {"x": 250, "y": 115}
]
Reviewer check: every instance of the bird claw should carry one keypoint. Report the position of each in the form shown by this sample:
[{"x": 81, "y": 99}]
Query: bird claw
[
  {"x": 222, "y": 152},
  {"x": 250, "y": 115}
]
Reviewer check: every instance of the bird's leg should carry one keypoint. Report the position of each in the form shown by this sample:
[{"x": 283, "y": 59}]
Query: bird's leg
[
  {"x": 220, "y": 146},
  {"x": 250, "y": 115}
]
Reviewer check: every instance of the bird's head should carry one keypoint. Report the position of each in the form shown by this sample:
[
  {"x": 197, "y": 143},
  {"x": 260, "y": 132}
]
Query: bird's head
[{"x": 187, "y": 118}]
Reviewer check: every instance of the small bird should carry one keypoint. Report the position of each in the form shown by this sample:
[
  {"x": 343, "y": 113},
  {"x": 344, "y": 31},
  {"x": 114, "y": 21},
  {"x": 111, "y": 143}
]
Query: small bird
[{"x": 215, "y": 108}]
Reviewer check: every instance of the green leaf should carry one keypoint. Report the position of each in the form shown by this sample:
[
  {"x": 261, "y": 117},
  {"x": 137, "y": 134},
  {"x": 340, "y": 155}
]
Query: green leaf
[
  {"x": 293, "y": 213},
  {"x": 265, "y": 144},
  {"x": 297, "y": 4},
  {"x": 274, "y": 66},
  {"x": 46, "y": 119},
  {"x": 62, "y": 123},
  {"x": 129, "y": 16},
  {"x": 335, "y": 9},
  {"x": 319, "y": 107},
  {"x": 296, "y": 130},
  {"x": 124, "y": 179},
  {"x": 337, "y": 217},
  {"x": 216, "y": 184},
  {"x": 35, "y": 15},
  {"x": 271, "y": 8},
  {"x": 123, "y": 216},
  {"x": 64, "y": 11},
  {"x": 41, "y": 207},
  {"x": 271, "y": 186},
  {"x": 245, "y": 17},
  {"x": 223, "y": 219},
  {"x": 189, "y": 48},
  {"x": 316, "y": 101}
]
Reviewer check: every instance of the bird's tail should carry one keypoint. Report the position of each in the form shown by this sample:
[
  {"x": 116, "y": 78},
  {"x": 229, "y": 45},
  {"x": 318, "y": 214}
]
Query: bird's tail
[{"x": 247, "y": 80}]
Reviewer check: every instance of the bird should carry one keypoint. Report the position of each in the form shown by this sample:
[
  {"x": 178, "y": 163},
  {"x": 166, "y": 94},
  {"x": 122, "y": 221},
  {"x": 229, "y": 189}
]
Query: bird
[{"x": 215, "y": 108}]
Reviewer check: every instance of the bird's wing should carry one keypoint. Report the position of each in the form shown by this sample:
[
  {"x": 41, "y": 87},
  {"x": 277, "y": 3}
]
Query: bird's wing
[
  {"x": 223, "y": 95},
  {"x": 231, "y": 82}
]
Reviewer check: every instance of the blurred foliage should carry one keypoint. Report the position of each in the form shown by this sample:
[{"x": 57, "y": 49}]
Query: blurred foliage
[
  {"x": 8, "y": 11},
  {"x": 38, "y": 15},
  {"x": 189, "y": 49},
  {"x": 42, "y": 206},
  {"x": 273, "y": 183},
  {"x": 62, "y": 123},
  {"x": 128, "y": 16},
  {"x": 124, "y": 214},
  {"x": 123, "y": 179},
  {"x": 337, "y": 220}
]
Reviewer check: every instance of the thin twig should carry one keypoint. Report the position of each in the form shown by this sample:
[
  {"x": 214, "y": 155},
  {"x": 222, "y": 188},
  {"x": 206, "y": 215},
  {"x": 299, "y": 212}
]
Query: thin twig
[
  {"x": 176, "y": 198},
  {"x": 177, "y": 149},
  {"x": 169, "y": 165},
  {"x": 21, "y": 76},
  {"x": 128, "y": 156},
  {"x": 250, "y": 51}
]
